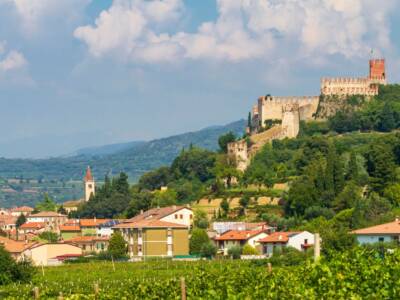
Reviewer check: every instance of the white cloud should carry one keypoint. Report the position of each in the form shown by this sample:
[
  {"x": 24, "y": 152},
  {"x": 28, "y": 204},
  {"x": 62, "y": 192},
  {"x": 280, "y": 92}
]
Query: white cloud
[
  {"x": 244, "y": 29},
  {"x": 12, "y": 61}
]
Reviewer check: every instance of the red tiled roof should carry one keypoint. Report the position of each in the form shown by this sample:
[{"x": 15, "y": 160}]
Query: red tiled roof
[
  {"x": 279, "y": 237},
  {"x": 157, "y": 213},
  {"x": 14, "y": 246},
  {"x": 46, "y": 214},
  {"x": 22, "y": 209},
  {"x": 33, "y": 225},
  {"x": 92, "y": 222},
  {"x": 387, "y": 228},
  {"x": 87, "y": 239},
  {"x": 238, "y": 235},
  {"x": 88, "y": 176},
  {"x": 149, "y": 224},
  {"x": 70, "y": 228}
]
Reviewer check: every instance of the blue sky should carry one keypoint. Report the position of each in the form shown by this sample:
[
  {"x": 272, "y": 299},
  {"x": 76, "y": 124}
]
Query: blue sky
[{"x": 77, "y": 73}]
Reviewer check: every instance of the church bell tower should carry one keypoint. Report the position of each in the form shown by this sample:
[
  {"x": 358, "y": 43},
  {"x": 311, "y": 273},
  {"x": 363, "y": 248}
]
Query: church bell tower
[{"x": 89, "y": 184}]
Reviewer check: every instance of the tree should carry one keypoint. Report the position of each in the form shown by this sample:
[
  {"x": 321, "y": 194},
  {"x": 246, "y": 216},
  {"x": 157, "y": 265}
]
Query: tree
[
  {"x": 200, "y": 219},
  {"x": 225, "y": 169},
  {"x": 12, "y": 271},
  {"x": 21, "y": 220},
  {"x": 392, "y": 193},
  {"x": 380, "y": 166},
  {"x": 165, "y": 198},
  {"x": 249, "y": 250},
  {"x": 225, "y": 206},
  {"x": 249, "y": 120},
  {"x": 61, "y": 210},
  {"x": 47, "y": 204},
  {"x": 387, "y": 121},
  {"x": 49, "y": 236},
  {"x": 224, "y": 140},
  {"x": 154, "y": 180},
  {"x": 209, "y": 250},
  {"x": 352, "y": 170},
  {"x": 198, "y": 239},
  {"x": 244, "y": 202},
  {"x": 348, "y": 198},
  {"x": 140, "y": 201},
  {"x": 117, "y": 247},
  {"x": 235, "y": 251}
]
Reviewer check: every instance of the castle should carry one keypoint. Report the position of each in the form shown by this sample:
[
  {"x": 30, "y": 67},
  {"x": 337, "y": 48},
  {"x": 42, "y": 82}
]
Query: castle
[{"x": 277, "y": 117}]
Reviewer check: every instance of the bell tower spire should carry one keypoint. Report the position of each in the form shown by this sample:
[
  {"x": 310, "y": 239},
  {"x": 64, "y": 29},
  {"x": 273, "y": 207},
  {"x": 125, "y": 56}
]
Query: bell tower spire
[{"x": 89, "y": 184}]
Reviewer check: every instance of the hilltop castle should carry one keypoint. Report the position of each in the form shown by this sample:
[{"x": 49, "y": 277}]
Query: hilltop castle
[{"x": 277, "y": 117}]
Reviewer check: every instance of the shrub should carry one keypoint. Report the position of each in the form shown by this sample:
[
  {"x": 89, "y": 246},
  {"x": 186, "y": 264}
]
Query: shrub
[
  {"x": 208, "y": 250},
  {"x": 249, "y": 250},
  {"x": 198, "y": 240},
  {"x": 117, "y": 247},
  {"x": 12, "y": 271},
  {"x": 235, "y": 252}
]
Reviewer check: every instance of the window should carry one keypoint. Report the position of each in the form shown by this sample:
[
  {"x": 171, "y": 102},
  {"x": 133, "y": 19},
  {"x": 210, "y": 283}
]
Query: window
[
  {"x": 176, "y": 216},
  {"x": 181, "y": 217},
  {"x": 191, "y": 217},
  {"x": 305, "y": 241},
  {"x": 381, "y": 239}
]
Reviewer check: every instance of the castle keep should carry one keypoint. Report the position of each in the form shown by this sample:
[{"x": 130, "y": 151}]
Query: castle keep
[{"x": 278, "y": 117}]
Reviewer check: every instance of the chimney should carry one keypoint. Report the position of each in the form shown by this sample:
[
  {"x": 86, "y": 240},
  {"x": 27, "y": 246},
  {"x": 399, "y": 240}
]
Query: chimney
[
  {"x": 397, "y": 219},
  {"x": 173, "y": 207},
  {"x": 141, "y": 211}
]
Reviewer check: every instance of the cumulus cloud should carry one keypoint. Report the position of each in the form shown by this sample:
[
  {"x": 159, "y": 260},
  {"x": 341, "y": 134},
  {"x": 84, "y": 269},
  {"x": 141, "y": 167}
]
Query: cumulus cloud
[
  {"x": 244, "y": 29},
  {"x": 13, "y": 60}
]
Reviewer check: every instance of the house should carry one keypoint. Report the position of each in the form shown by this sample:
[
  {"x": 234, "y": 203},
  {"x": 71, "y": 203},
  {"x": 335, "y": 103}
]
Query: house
[
  {"x": 387, "y": 232},
  {"x": 90, "y": 226},
  {"x": 46, "y": 254},
  {"x": 221, "y": 227},
  {"x": 72, "y": 205},
  {"x": 300, "y": 240},
  {"x": 106, "y": 229},
  {"x": 32, "y": 227},
  {"x": 8, "y": 223},
  {"x": 175, "y": 214},
  {"x": 23, "y": 210},
  {"x": 69, "y": 231},
  {"x": 15, "y": 248},
  {"x": 4, "y": 212},
  {"x": 152, "y": 238},
  {"x": 52, "y": 219},
  {"x": 239, "y": 238},
  {"x": 90, "y": 244}
]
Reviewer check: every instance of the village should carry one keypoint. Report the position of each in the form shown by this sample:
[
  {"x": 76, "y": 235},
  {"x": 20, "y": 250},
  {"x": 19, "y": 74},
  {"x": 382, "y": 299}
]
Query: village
[{"x": 162, "y": 232}]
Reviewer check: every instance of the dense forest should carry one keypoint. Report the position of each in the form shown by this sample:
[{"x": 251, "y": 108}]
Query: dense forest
[{"x": 343, "y": 174}]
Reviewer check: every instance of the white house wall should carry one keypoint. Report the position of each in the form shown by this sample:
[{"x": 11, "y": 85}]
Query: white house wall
[
  {"x": 298, "y": 240},
  {"x": 183, "y": 216}
]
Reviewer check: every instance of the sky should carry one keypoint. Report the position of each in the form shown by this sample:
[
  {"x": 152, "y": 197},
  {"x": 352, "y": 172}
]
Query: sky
[{"x": 78, "y": 73}]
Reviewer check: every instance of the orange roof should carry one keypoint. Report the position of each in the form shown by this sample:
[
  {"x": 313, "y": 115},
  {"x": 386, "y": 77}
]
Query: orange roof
[
  {"x": 279, "y": 237},
  {"x": 238, "y": 235},
  {"x": 14, "y": 246},
  {"x": 22, "y": 209},
  {"x": 88, "y": 176},
  {"x": 70, "y": 228},
  {"x": 33, "y": 225},
  {"x": 157, "y": 213},
  {"x": 92, "y": 222},
  {"x": 149, "y": 224},
  {"x": 87, "y": 239},
  {"x": 387, "y": 228},
  {"x": 46, "y": 214}
]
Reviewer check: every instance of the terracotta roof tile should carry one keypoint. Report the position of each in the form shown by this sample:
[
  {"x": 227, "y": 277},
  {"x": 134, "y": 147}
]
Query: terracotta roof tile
[
  {"x": 70, "y": 228},
  {"x": 149, "y": 224},
  {"x": 22, "y": 209},
  {"x": 14, "y": 246},
  {"x": 46, "y": 214},
  {"x": 33, "y": 225},
  {"x": 238, "y": 235},
  {"x": 279, "y": 237},
  {"x": 92, "y": 222},
  {"x": 88, "y": 176},
  {"x": 157, "y": 213},
  {"x": 87, "y": 239},
  {"x": 387, "y": 228}
]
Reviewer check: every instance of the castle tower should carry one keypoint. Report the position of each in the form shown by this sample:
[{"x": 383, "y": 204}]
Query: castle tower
[
  {"x": 89, "y": 184},
  {"x": 377, "y": 70}
]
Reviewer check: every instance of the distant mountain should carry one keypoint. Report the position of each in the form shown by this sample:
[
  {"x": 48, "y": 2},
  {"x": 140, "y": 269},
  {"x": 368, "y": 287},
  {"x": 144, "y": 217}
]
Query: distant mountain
[
  {"x": 134, "y": 159},
  {"x": 107, "y": 149}
]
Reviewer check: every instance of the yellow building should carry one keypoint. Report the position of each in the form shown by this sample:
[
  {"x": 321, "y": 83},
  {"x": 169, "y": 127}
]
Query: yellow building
[{"x": 155, "y": 238}]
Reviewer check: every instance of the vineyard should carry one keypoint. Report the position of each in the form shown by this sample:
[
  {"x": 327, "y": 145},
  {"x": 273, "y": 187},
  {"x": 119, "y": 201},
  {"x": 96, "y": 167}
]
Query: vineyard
[{"x": 361, "y": 274}]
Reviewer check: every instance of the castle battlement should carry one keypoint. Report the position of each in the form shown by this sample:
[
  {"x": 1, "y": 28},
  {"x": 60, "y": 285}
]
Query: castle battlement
[{"x": 351, "y": 80}]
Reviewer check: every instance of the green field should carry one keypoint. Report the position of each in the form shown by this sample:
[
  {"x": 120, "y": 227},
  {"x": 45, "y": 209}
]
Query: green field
[{"x": 360, "y": 274}]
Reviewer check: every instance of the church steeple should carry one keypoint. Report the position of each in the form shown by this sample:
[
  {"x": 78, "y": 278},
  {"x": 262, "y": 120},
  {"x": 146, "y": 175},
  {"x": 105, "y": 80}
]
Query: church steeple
[{"x": 89, "y": 184}]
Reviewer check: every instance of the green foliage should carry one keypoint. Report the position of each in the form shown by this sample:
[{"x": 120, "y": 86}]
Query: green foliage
[
  {"x": 20, "y": 220},
  {"x": 198, "y": 240},
  {"x": 117, "y": 247},
  {"x": 208, "y": 250},
  {"x": 225, "y": 139},
  {"x": 392, "y": 193},
  {"x": 164, "y": 198},
  {"x": 49, "y": 236},
  {"x": 225, "y": 206},
  {"x": 289, "y": 256},
  {"x": 235, "y": 252},
  {"x": 12, "y": 271},
  {"x": 47, "y": 204},
  {"x": 249, "y": 250},
  {"x": 200, "y": 219}
]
